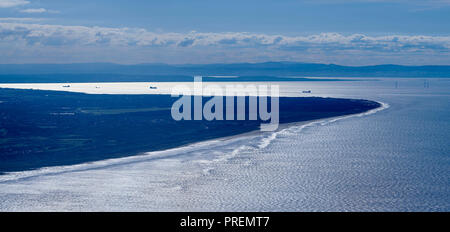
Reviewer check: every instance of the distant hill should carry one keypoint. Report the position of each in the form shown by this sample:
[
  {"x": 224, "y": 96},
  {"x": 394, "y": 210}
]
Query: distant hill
[{"x": 239, "y": 69}]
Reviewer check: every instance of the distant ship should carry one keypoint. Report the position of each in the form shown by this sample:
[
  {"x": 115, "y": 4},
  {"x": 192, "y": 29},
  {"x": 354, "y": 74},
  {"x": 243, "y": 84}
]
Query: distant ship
[
  {"x": 66, "y": 86},
  {"x": 306, "y": 91},
  {"x": 153, "y": 87}
]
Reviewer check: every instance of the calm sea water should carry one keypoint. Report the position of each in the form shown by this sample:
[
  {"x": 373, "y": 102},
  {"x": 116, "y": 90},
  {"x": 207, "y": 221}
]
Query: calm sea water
[{"x": 396, "y": 159}]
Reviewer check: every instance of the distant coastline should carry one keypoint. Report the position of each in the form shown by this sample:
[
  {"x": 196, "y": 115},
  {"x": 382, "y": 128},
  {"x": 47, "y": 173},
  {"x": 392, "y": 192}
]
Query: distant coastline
[
  {"x": 101, "y": 78},
  {"x": 169, "y": 71}
]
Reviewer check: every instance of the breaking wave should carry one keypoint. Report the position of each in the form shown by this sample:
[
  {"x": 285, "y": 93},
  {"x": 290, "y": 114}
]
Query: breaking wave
[{"x": 203, "y": 154}]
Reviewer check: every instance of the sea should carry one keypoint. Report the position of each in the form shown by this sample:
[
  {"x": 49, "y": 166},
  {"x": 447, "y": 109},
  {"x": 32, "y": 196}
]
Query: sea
[{"x": 393, "y": 158}]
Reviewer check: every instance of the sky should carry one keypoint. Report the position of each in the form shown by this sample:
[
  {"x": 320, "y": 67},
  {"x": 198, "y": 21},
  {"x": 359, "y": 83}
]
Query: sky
[{"x": 352, "y": 32}]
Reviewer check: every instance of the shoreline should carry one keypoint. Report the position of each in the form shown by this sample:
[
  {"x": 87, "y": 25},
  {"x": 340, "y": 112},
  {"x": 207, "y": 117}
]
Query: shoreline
[
  {"x": 173, "y": 152},
  {"x": 142, "y": 88},
  {"x": 74, "y": 143},
  {"x": 314, "y": 168}
]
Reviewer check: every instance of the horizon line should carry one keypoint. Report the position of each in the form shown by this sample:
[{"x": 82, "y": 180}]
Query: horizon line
[{"x": 231, "y": 63}]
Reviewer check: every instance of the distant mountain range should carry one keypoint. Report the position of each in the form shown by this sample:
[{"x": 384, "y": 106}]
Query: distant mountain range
[{"x": 283, "y": 69}]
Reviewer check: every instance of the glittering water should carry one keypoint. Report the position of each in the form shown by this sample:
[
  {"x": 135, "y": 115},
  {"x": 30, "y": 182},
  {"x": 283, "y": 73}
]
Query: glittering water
[{"x": 396, "y": 159}]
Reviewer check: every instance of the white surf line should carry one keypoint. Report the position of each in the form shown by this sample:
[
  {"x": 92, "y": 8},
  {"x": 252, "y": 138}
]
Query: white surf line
[
  {"x": 372, "y": 111},
  {"x": 266, "y": 141},
  {"x": 146, "y": 156},
  {"x": 173, "y": 152}
]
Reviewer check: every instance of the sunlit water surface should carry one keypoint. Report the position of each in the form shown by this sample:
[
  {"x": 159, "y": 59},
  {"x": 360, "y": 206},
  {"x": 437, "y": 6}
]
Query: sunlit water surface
[{"x": 395, "y": 159}]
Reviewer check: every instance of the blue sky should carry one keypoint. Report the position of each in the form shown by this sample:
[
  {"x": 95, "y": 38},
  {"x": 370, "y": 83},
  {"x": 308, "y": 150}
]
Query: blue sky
[{"x": 353, "y": 32}]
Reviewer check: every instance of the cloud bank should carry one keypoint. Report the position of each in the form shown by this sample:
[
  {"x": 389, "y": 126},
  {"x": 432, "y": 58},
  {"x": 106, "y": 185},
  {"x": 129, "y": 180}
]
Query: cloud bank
[
  {"x": 12, "y": 3},
  {"x": 38, "y": 11},
  {"x": 253, "y": 46}
]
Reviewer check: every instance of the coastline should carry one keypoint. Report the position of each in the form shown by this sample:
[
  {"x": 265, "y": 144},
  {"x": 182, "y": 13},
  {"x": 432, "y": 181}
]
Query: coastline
[
  {"x": 174, "y": 152},
  {"x": 355, "y": 164},
  {"x": 76, "y": 139}
]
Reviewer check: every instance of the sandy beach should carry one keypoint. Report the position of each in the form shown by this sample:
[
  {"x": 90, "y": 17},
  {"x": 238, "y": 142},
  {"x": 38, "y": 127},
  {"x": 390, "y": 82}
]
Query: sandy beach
[{"x": 161, "y": 87}]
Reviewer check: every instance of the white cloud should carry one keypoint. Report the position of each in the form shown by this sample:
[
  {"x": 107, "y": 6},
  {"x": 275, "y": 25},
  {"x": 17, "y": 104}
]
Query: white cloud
[
  {"x": 20, "y": 20},
  {"x": 224, "y": 46},
  {"x": 68, "y": 35},
  {"x": 38, "y": 10},
  {"x": 12, "y": 3}
]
